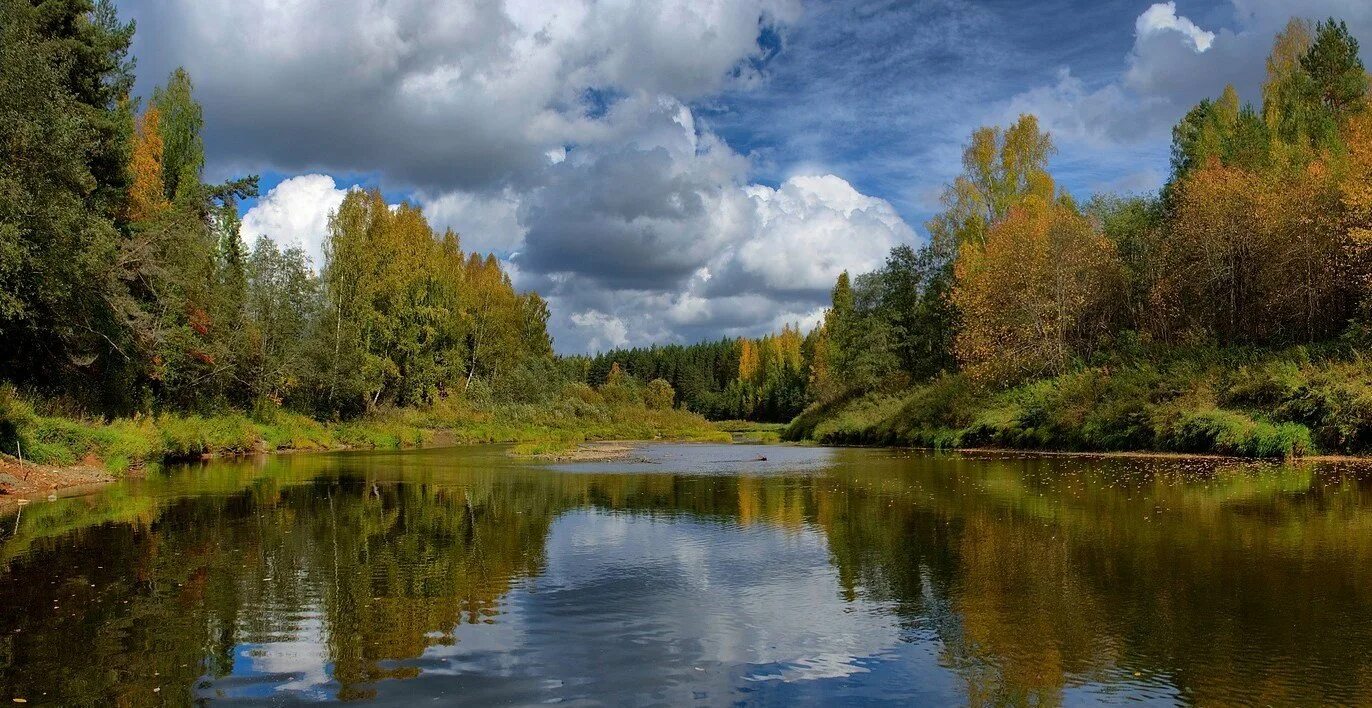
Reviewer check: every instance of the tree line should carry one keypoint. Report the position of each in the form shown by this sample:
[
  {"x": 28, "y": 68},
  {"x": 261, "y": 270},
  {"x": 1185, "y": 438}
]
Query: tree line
[
  {"x": 1260, "y": 237},
  {"x": 755, "y": 379},
  {"x": 1254, "y": 240},
  {"x": 126, "y": 286}
]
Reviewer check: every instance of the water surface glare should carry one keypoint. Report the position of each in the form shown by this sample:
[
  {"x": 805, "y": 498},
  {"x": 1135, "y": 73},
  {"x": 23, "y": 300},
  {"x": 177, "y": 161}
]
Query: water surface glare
[{"x": 695, "y": 573}]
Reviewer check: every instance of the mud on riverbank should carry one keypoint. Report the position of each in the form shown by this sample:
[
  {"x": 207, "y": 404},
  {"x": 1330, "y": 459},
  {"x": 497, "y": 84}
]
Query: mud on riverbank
[{"x": 25, "y": 480}]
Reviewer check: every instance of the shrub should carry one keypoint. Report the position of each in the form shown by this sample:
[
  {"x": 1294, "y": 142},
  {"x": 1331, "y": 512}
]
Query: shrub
[
  {"x": 659, "y": 395},
  {"x": 1232, "y": 433},
  {"x": 1335, "y": 402}
]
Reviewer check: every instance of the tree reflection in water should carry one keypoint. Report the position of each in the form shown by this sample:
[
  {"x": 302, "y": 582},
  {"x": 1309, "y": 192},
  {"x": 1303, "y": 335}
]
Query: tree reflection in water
[{"x": 866, "y": 573}]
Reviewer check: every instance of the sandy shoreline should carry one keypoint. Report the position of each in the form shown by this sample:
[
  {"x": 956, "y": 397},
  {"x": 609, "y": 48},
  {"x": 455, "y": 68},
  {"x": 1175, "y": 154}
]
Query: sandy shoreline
[{"x": 23, "y": 482}]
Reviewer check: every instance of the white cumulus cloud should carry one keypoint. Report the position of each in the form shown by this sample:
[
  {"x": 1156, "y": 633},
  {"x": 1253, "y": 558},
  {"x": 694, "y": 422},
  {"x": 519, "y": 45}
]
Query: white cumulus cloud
[
  {"x": 436, "y": 95},
  {"x": 663, "y": 237},
  {"x": 486, "y": 223},
  {"x": 813, "y": 227},
  {"x": 1163, "y": 17},
  {"x": 296, "y": 213}
]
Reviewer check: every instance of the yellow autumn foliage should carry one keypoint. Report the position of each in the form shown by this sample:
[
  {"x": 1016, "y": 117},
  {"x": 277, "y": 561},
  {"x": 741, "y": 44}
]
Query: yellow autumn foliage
[
  {"x": 1034, "y": 295},
  {"x": 147, "y": 196}
]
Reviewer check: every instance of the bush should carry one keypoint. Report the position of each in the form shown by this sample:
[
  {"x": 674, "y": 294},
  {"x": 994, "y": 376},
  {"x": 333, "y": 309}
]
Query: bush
[
  {"x": 532, "y": 380},
  {"x": 1335, "y": 402},
  {"x": 1231, "y": 433},
  {"x": 659, "y": 395},
  {"x": 1266, "y": 384},
  {"x": 1238, "y": 402}
]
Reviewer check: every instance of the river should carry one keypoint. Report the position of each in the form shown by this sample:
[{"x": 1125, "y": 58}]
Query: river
[{"x": 696, "y": 574}]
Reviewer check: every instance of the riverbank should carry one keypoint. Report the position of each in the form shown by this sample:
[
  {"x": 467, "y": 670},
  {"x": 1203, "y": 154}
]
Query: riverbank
[
  {"x": 1289, "y": 403},
  {"x": 60, "y": 451},
  {"x": 22, "y": 481}
]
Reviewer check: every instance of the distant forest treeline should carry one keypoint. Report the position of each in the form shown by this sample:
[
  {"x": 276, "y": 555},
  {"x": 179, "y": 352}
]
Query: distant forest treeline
[{"x": 757, "y": 379}]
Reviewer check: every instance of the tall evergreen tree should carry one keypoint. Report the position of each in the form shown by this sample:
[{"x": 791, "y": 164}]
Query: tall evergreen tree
[
  {"x": 1336, "y": 71},
  {"x": 63, "y": 73}
]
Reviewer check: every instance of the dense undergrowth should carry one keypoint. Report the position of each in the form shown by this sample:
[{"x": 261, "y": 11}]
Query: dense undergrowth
[
  {"x": 41, "y": 434},
  {"x": 1251, "y": 403}
]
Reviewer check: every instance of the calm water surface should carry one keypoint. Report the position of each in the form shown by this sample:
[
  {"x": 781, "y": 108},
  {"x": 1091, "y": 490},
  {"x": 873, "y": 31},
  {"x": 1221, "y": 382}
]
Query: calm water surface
[{"x": 696, "y": 575}]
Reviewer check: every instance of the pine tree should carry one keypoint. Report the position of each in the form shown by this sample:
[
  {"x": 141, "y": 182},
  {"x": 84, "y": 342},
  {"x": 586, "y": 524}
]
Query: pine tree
[
  {"x": 1338, "y": 75},
  {"x": 63, "y": 73}
]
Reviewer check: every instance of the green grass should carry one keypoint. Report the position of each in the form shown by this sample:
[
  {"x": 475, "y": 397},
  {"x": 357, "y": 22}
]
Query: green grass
[
  {"x": 577, "y": 414},
  {"x": 1250, "y": 403},
  {"x": 748, "y": 426},
  {"x": 751, "y": 431}
]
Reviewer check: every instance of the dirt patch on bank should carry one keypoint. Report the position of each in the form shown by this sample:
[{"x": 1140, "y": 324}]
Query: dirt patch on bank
[
  {"x": 29, "y": 481},
  {"x": 589, "y": 452}
]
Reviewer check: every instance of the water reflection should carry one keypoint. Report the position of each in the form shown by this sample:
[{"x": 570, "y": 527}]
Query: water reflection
[{"x": 819, "y": 575}]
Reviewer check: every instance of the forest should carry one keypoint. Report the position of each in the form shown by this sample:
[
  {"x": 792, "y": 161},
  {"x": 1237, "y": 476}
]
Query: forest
[
  {"x": 1226, "y": 313},
  {"x": 126, "y": 284},
  {"x": 129, "y": 300}
]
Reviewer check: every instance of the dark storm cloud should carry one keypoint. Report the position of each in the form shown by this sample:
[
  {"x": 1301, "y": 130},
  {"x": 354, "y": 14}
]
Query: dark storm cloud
[{"x": 626, "y": 219}]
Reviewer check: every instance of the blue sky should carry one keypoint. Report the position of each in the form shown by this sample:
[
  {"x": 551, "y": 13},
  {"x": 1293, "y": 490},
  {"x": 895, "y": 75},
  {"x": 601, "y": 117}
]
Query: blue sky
[{"x": 685, "y": 169}]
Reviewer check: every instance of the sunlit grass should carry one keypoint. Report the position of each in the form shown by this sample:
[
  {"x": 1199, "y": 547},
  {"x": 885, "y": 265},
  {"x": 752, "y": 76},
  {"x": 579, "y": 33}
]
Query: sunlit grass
[
  {"x": 1275, "y": 404},
  {"x": 577, "y": 415}
]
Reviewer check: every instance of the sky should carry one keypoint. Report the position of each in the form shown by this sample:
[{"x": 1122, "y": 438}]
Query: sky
[{"x": 680, "y": 170}]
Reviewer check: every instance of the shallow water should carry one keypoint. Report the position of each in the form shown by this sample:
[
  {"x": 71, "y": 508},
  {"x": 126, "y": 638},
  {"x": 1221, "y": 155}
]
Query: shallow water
[{"x": 696, "y": 574}]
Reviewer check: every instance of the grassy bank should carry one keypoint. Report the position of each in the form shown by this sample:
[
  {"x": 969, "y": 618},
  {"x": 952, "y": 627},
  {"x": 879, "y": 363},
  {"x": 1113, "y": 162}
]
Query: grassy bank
[
  {"x": 752, "y": 431},
  {"x": 1251, "y": 403},
  {"x": 578, "y": 414}
]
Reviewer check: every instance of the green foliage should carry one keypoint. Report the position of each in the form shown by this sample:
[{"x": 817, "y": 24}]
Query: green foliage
[
  {"x": 1250, "y": 403},
  {"x": 1315, "y": 80},
  {"x": 63, "y": 71},
  {"x": 182, "y": 120},
  {"x": 193, "y": 435},
  {"x": 659, "y": 395},
  {"x": 911, "y": 295},
  {"x": 407, "y": 316},
  {"x": 1001, "y": 166},
  {"x": 575, "y": 414},
  {"x": 378, "y": 434},
  {"x": 281, "y": 303},
  {"x": 1220, "y": 130},
  {"x": 708, "y": 379},
  {"x": 1232, "y": 433},
  {"x": 1337, "y": 74},
  {"x": 883, "y": 330},
  {"x": 1334, "y": 400},
  {"x": 128, "y": 305},
  {"x": 1132, "y": 225}
]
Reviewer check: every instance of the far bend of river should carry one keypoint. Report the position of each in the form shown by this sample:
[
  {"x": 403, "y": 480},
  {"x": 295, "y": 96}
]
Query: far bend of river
[{"x": 696, "y": 575}]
